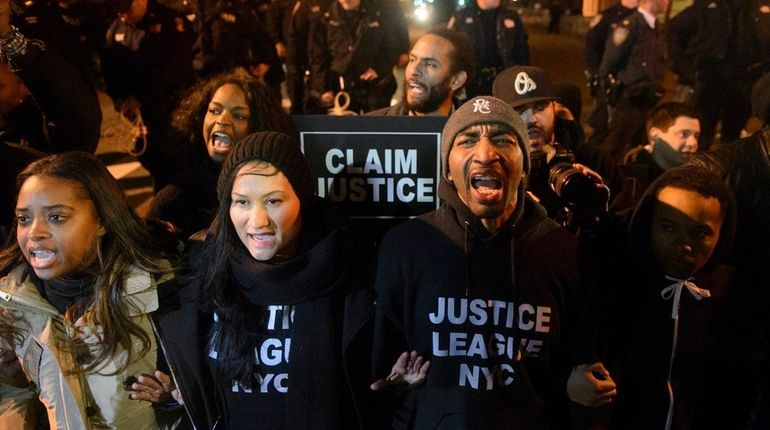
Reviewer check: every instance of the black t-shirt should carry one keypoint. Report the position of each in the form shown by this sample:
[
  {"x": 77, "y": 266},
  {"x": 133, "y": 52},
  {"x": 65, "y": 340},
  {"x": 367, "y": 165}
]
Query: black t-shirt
[{"x": 262, "y": 405}]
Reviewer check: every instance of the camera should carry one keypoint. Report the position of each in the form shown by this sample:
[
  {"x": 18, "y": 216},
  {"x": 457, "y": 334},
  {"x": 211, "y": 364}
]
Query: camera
[{"x": 568, "y": 183}]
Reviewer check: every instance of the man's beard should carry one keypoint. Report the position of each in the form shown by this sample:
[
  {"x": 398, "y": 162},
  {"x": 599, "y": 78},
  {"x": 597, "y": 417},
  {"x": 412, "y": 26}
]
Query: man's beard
[{"x": 436, "y": 94}]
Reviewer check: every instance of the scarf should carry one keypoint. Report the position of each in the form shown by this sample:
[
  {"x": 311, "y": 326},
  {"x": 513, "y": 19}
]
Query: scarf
[
  {"x": 311, "y": 281},
  {"x": 665, "y": 156},
  {"x": 72, "y": 290}
]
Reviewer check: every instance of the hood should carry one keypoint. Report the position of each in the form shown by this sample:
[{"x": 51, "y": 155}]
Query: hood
[{"x": 639, "y": 228}]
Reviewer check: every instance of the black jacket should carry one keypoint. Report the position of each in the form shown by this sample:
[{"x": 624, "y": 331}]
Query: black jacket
[
  {"x": 185, "y": 332},
  {"x": 745, "y": 166},
  {"x": 596, "y": 37},
  {"x": 712, "y": 33},
  {"x": 338, "y": 50},
  {"x": 634, "y": 54},
  {"x": 62, "y": 114},
  {"x": 150, "y": 61},
  {"x": 511, "y": 39},
  {"x": 526, "y": 272}
]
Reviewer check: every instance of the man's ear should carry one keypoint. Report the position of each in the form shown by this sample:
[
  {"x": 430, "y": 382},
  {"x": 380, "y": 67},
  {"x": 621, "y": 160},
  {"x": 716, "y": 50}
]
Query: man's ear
[
  {"x": 654, "y": 132},
  {"x": 459, "y": 80}
]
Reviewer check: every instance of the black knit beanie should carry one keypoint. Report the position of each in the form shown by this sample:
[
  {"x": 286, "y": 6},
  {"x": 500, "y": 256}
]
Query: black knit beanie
[
  {"x": 483, "y": 110},
  {"x": 271, "y": 147},
  {"x": 760, "y": 98}
]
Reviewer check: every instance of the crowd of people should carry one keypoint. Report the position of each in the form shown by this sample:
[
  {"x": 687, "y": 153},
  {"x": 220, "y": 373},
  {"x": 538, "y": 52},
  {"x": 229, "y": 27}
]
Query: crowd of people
[{"x": 606, "y": 275}]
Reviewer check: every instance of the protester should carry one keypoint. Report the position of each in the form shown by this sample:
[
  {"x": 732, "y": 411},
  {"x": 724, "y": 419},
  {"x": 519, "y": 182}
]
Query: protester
[
  {"x": 216, "y": 113},
  {"x": 440, "y": 65},
  {"x": 745, "y": 166},
  {"x": 484, "y": 288},
  {"x": 283, "y": 274},
  {"x": 80, "y": 286},
  {"x": 660, "y": 345}
]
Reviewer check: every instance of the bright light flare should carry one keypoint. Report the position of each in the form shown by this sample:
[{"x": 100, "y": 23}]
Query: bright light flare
[{"x": 421, "y": 13}]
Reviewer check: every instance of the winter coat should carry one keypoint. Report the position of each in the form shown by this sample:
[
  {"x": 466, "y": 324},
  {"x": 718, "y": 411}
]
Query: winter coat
[
  {"x": 511, "y": 39},
  {"x": 633, "y": 55},
  {"x": 75, "y": 399}
]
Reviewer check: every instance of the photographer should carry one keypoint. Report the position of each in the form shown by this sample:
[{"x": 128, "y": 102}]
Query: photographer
[{"x": 573, "y": 193}]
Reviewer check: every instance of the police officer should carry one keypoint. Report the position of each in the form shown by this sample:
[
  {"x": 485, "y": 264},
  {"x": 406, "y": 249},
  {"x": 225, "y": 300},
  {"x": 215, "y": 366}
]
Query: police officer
[
  {"x": 499, "y": 40},
  {"x": 355, "y": 49},
  {"x": 234, "y": 36},
  {"x": 632, "y": 70},
  {"x": 724, "y": 46},
  {"x": 596, "y": 38},
  {"x": 146, "y": 63}
]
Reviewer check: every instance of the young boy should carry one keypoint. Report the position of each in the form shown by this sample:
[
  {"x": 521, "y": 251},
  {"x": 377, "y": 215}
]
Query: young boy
[{"x": 659, "y": 316}]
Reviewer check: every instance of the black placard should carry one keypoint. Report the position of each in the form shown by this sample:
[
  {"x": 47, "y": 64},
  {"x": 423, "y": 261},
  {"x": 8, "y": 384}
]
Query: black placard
[{"x": 376, "y": 167}]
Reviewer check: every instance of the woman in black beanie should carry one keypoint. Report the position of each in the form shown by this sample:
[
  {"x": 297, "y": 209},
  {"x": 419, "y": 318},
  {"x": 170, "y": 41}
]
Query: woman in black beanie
[{"x": 290, "y": 290}]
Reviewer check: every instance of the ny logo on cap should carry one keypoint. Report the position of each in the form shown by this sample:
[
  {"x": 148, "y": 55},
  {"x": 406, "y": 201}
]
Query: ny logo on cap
[
  {"x": 524, "y": 84},
  {"x": 481, "y": 106}
]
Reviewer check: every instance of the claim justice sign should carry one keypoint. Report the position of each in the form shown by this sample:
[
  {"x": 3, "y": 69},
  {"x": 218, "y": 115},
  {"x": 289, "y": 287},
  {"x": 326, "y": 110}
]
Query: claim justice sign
[{"x": 377, "y": 167}]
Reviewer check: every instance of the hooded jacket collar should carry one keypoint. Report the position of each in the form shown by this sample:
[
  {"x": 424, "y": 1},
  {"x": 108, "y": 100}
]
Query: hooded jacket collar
[{"x": 457, "y": 220}]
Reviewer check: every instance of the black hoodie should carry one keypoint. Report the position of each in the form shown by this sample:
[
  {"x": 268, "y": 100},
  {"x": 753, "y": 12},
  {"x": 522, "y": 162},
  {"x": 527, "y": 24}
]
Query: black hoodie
[
  {"x": 452, "y": 291},
  {"x": 636, "y": 329}
]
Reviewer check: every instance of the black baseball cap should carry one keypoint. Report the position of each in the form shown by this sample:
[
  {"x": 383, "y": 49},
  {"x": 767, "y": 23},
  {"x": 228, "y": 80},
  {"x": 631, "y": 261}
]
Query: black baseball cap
[{"x": 521, "y": 85}]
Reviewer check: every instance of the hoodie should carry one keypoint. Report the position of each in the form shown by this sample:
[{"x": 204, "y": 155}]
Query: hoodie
[
  {"x": 490, "y": 311},
  {"x": 665, "y": 366}
]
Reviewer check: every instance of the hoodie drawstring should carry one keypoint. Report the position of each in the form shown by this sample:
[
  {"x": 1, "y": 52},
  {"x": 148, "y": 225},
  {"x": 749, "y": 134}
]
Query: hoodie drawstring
[
  {"x": 675, "y": 290},
  {"x": 467, "y": 260}
]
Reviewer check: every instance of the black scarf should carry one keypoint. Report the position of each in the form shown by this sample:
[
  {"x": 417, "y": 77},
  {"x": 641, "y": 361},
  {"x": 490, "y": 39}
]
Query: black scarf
[
  {"x": 311, "y": 281},
  {"x": 73, "y": 290}
]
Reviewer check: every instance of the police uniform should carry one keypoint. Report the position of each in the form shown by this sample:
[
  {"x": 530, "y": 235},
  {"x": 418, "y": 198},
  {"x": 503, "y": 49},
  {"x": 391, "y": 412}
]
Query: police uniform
[
  {"x": 150, "y": 61},
  {"x": 633, "y": 67},
  {"x": 509, "y": 46},
  {"x": 725, "y": 46},
  {"x": 349, "y": 43},
  {"x": 280, "y": 15},
  {"x": 235, "y": 37},
  {"x": 305, "y": 25},
  {"x": 596, "y": 38}
]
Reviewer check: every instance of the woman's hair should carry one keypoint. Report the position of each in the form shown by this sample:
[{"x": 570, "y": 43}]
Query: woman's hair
[
  {"x": 125, "y": 244},
  {"x": 191, "y": 161},
  {"x": 238, "y": 318},
  {"x": 267, "y": 114},
  {"x": 689, "y": 178}
]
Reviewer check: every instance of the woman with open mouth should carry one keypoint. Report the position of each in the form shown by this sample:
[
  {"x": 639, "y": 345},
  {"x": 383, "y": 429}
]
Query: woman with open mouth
[
  {"x": 80, "y": 287},
  {"x": 217, "y": 113}
]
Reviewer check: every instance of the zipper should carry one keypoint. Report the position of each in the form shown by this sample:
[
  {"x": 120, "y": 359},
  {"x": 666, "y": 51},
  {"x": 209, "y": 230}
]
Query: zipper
[
  {"x": 26, "y": 304},
  {"x": 31, "y": 305}
]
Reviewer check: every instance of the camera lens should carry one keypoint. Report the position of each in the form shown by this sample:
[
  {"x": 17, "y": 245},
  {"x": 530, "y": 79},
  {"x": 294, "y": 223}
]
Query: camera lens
[{"x": 570, "y": 184}]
